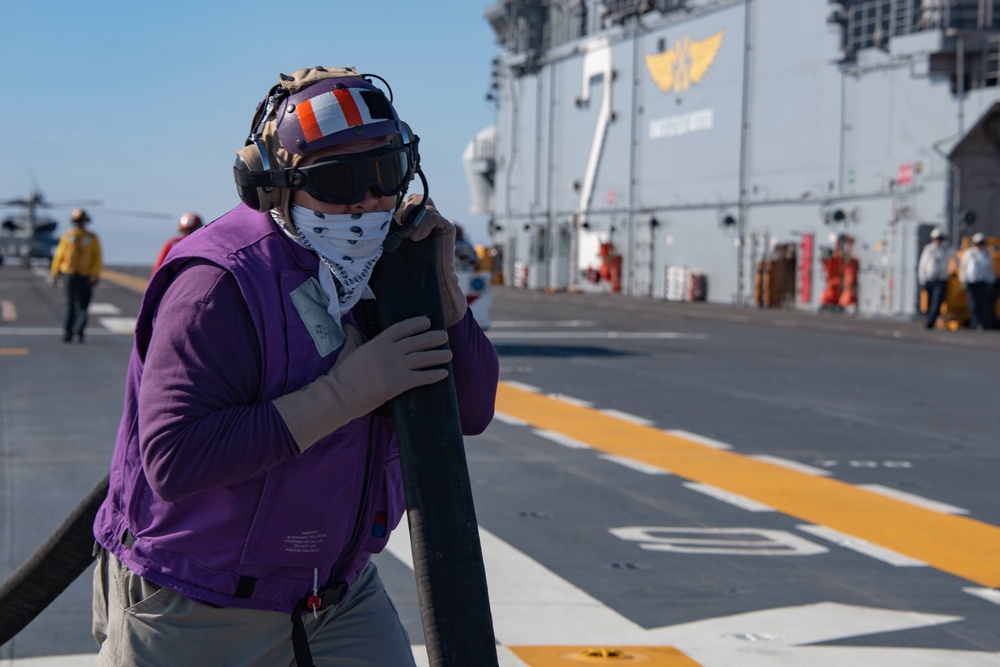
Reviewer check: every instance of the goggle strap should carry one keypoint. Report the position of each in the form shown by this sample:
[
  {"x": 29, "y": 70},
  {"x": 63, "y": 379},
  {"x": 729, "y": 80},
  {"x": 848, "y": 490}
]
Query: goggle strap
[{"x": 285, "y": 178}]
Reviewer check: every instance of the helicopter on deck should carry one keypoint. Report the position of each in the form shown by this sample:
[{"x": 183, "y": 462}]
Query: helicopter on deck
[{"x": 29, "y": 234}]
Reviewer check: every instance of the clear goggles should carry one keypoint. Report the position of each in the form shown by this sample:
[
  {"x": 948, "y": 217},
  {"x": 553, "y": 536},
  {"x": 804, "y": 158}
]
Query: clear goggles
[{"x": 346, "y": 179}]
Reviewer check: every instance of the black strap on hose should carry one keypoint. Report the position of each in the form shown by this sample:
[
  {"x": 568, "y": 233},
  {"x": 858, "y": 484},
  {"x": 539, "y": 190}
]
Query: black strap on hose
[
  {"x": 444, "y": 536},
  {"x": 67, "y": 553}
]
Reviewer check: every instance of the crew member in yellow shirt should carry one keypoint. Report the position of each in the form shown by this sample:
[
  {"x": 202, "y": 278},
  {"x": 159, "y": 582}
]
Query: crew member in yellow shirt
[{"x": 78, "y": 261}]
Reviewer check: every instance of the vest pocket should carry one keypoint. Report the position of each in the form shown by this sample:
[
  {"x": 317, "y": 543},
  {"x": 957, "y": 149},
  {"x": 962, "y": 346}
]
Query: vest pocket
[{"x": 305, "y": 513}]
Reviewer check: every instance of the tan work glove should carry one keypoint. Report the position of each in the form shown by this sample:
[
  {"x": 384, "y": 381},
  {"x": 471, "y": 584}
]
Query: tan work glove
[
  {"x": 442, "y": 233},
  {"x": 364, "y": 377}
]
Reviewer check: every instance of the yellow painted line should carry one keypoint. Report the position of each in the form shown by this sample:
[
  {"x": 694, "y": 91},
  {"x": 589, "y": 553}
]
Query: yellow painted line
[
  {"x": 958, "y": 545},
  {"x": 125, "y": 280},
  {"x": 579, "y": 656},
  {"x": 13, "y": 351}
]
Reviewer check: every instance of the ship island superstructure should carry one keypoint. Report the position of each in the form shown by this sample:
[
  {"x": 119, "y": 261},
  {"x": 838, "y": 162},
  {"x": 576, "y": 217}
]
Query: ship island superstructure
[{"x": 731, "y": 150}]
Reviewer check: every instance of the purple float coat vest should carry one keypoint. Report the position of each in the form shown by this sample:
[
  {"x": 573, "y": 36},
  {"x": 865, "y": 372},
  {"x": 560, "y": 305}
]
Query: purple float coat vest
[{"x": 256, "y": 543}]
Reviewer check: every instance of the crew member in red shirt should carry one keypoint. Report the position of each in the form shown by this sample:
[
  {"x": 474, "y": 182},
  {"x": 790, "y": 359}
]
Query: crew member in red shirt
[{"x": 187, "y": 224}]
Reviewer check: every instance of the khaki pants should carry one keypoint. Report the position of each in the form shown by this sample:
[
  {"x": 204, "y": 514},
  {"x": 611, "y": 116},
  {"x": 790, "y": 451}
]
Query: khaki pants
[{"x": 137, "y": 622}]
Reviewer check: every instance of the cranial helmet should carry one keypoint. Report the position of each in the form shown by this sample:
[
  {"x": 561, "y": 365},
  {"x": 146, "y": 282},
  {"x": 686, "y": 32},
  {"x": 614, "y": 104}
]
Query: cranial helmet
[
  {"x": 189, "y": 222},
  {"x": 309, "y": 110}
]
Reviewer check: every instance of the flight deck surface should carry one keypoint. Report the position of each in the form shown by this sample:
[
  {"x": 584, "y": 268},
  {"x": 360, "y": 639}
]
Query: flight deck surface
[{"x": 684, "y": 484}]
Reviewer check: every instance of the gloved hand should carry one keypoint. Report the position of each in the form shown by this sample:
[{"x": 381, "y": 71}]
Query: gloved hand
[
  {"x": 364, "y": 377},
  {"x": 442, "y": 233}
]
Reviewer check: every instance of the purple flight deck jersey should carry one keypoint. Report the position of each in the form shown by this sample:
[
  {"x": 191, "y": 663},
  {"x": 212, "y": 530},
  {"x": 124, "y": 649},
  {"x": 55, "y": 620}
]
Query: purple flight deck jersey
[{"x": 209, "y": 495}]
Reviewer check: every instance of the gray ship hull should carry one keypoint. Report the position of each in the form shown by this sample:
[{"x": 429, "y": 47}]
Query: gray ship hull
[{"x": 706, "y": 139}]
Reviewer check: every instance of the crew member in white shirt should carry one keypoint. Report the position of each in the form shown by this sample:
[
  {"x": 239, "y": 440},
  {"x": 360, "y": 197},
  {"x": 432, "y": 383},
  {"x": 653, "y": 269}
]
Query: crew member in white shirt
[
  {"x": 933, "y": 271},
  {"x": 978, "y": 275}
]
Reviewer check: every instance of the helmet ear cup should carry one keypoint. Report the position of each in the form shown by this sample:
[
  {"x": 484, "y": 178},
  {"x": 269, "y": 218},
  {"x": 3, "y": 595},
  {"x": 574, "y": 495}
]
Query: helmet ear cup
[{"x": 250, "y": 160}]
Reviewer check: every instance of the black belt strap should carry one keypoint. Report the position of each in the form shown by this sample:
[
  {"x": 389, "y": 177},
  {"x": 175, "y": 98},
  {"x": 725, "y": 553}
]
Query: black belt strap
[
  {"x": 300, "y": 642},
  {"x": 244, "y": 587},
  {"x": 329, "y": 596}
]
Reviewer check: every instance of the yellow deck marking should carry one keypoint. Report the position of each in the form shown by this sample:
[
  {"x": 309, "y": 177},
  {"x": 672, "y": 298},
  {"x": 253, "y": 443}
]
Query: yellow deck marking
[
  {"x": 13, "y": 351},
  {"x": 958, "y": 545},
  {"x": 580, "y": 656},
  {"x": 125, "y": 280}
]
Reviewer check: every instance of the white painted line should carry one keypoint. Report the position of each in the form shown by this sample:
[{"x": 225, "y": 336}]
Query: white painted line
[
  {"x": 635, "y": 465},
  {"x": 505, "y": 657},
  {"x": 913, "y": 499},
  {"x": 709, "y": 442},
  {"x": 532, "y": 606},
  {"x": 624, "y": 416},
  {"x": 595, "y": 335},
  {"x": 104, "y": 309},
  {"x": 507, "y": 419},
  {"x": 862, "y": 546},
  {"x": 503, "y": 324},
  {"x": 988, "y": 594},
  {"x": 572, "y": 401},
  {"x": 719, "y": 541},
  {"x": 119, "y": 325},
  {"x": 525, "y": 597},
  {"x": 732, "y": 498},
  {"x": 560, "y": 439},
  {"x": 523, "y": 387},
  {"x": 791, "y": 465}
]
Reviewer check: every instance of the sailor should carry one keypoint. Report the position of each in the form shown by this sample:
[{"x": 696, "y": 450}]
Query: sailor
[
  {"x": 254, "y": 473},
  {"x": 933, "y": 270},
  {"x": 188, "y": 223},
  {"x": 77, "y": 262},
  {"x": 978, "y": 275}
]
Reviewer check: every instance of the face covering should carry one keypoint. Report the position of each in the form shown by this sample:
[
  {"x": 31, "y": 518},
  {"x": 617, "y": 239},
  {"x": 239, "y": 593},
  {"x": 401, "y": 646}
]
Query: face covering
[{"x": 348, "y": 246}]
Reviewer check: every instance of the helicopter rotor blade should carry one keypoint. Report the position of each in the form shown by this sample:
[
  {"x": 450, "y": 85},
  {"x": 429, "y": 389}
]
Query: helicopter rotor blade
[
  {"x": 137, "y": 214},
  {"x": 76, "y": 203}
]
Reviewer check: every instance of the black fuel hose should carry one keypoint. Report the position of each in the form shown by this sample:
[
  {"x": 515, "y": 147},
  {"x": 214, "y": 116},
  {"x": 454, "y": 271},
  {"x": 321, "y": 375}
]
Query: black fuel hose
[
  {"x": 55, "y": 565},
  {"x": 444, "y": 535}
]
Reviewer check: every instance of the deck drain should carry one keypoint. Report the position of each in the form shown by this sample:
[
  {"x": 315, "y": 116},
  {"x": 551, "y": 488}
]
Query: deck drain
[{"x": 603, "y": 653}]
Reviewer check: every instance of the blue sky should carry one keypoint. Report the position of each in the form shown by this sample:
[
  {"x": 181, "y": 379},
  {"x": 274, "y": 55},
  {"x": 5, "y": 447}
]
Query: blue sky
[{"x": 143, "y": 106}]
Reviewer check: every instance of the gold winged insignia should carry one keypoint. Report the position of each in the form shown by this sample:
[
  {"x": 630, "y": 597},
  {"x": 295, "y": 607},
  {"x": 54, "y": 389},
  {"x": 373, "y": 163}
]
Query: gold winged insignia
[{"x": 683, "y": 64}]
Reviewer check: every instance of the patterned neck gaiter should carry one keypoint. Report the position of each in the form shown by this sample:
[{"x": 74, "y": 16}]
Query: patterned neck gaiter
[{"x": 348, "y": 246}]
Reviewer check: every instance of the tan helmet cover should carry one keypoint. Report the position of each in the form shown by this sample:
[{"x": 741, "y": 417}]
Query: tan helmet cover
[{"x": 267, "y": 140}]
